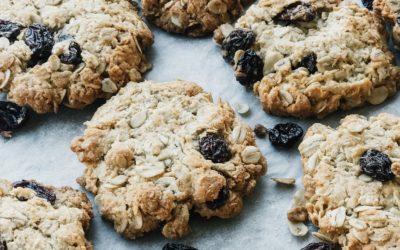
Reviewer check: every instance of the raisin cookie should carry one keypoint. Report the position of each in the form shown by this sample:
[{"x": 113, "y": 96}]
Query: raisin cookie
[
  {"x": 69, "y": 51},
  {"x": 192, "y": 17},
  {"x": 310, "y": 58},
  {"x": 33, "y": 216},
  {"x": 156, "y": 152},
  {"x": 352, "y": 182},
  {"x": 390, "y": 10}
]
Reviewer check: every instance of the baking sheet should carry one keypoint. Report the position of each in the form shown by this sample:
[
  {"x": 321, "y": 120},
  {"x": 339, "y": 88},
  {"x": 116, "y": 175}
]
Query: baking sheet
[{"x": 40, "y": 150}]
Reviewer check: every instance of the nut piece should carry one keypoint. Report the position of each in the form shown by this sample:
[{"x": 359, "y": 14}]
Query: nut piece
[
  {"x": 286, "y": 181},
  {"x": 378, "y": 95},
  {"x": 251, "y": 155},
  {"x": 241, "y": 108},
  {"x": 337, "y": 216},
  {"x": 297, "y": 214},
  {"x": 138, "y": 119},
  {"x": 298, "y": 229}
]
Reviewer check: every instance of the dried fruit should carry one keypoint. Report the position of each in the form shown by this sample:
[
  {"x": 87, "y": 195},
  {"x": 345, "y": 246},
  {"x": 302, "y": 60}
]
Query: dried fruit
[
  {"x": 11, "y": 117},
  {"x": 309, "y": 62},
  {"x": 175, "y": 246},
  {"x": 73, "y": 56},
  {"x": 321, "y": 246},
  {"x": 297, "y": 11},
  {"x": 40, "y": 40},
  {"x": 41, "y": 192},
  {"x": 285, "y": 134},
  {"x": 223, "y": 197},
  {"x": 377, "y": 165},
  {"x": 238, "y": 39},
  {"x": 260, "y": 131},
  {"x": 369, "y": 4},
  {"x": 213, "y": 147},
  {"x": 9, "y": 30},
  {"x": 249, "y": 68},
  {"x": 3, "y": 246}
]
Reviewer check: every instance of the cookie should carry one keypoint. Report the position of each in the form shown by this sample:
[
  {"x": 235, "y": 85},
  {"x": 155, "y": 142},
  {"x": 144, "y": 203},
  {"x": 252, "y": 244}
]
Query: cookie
[
  {"x": 33, "y": 216},
  {"x": 390, "y": 10},
  {"x": 192, "y": 17},
  {"x": 310, "y": 58},
  {"x": 352, "y": 182},
  {"x": 69, "y": 52},
  {"x": 154, "y": 153}
]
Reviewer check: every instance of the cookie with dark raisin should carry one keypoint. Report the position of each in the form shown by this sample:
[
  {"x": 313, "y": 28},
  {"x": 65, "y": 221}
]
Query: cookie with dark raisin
[
  {"x": 310, "y": 58},
  {"x": 64, "y": 55},
  {"x": 351, "y": 181},
  {"x": 155, "y": 153},
  {"x": 34, "y": 216},
  {"x": 192, "y": 17},
  {"x": 390, "y": 10}
]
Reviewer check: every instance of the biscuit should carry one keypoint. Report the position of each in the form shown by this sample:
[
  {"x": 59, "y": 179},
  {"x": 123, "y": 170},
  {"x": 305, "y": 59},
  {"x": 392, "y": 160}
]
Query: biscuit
[
  {"x": 390, "y": 10},
  {"x": 310, "y": 58},
  {"x": 351, "y": 180},
  {"x": 154, "y": 153},
  {"x": 68, "y": 51},
  {"x": 33, "y": 216},
  {"x": 192, "y": 17}
]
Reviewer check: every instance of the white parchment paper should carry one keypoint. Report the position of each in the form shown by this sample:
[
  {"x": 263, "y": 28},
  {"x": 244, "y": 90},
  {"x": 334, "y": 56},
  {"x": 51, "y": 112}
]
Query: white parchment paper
[{"x": 40, "y": 150}]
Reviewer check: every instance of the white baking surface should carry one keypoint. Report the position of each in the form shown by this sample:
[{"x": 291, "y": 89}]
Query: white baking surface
[{"x": 40, "y": 150}]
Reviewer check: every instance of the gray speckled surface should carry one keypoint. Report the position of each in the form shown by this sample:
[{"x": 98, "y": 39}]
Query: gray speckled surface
[{"x": 40, "y": 150}]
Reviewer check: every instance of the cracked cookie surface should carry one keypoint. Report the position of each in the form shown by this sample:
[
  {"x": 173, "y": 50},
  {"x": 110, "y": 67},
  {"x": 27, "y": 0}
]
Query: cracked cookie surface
[
  {"x": 310, "y": 58},
  {"x": 155, "y": 153},
  {"x": 192, "y": 17},
  {"x": 348, "y": 204},
  {"x": 69, "y": 52},
  {"x": 33, "y": 217},
  {"x": 390, "y": 10}
]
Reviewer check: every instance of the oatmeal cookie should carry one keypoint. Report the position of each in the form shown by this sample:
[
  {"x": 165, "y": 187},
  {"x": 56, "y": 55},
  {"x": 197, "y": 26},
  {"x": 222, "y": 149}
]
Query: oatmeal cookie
[
  {"x": 69, "y": 51},
  {"x": 156, "y": 152},
  {"x": 352, "y": 181},
  {"x": 390, "y": 10},
  {"x": 310, "y": 58},
  {"x": 192, "y": 17},
  {"x": 33, "y": 216}
]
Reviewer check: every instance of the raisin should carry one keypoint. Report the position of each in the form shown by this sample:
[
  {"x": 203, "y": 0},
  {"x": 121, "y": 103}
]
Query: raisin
[
  {"x": 213, "y": 147},
  {"x": 369, "y": 4},
  {"x": 249, "y": 68},
  {"x": 260, "y": 131},
  {"x": 223, "y": 197},
  {"x": 3, "y": 246},
  {"x": 11, "y": 117},
  {"x": 309, "y": 62},
  {"x": 41, "y": 192},
  {"x": 321, "y": 246},
  {"x": 73, "y": 56},
  {"x": 175, "y": 246},
  {"x": 237, "y": 40},
  {"x": 297, "y": 11},
  {"x": 377, "y": 165},
  {"x": 40, "y": 40},
  {"x": 285, "y": 134},
  {"x": 9, "y": 30}
]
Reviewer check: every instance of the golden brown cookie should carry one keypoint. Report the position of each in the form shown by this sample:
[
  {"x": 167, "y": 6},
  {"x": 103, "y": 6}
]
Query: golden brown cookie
[
  {"x": 33, "y": 216},
  {"x": 155, "y": 153},
  {"x": 310, "y": 58},
  {"x": 352, "y": 182},
  {"x": 69, "y": 52},
  {"x": 192, "y": 17}
]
